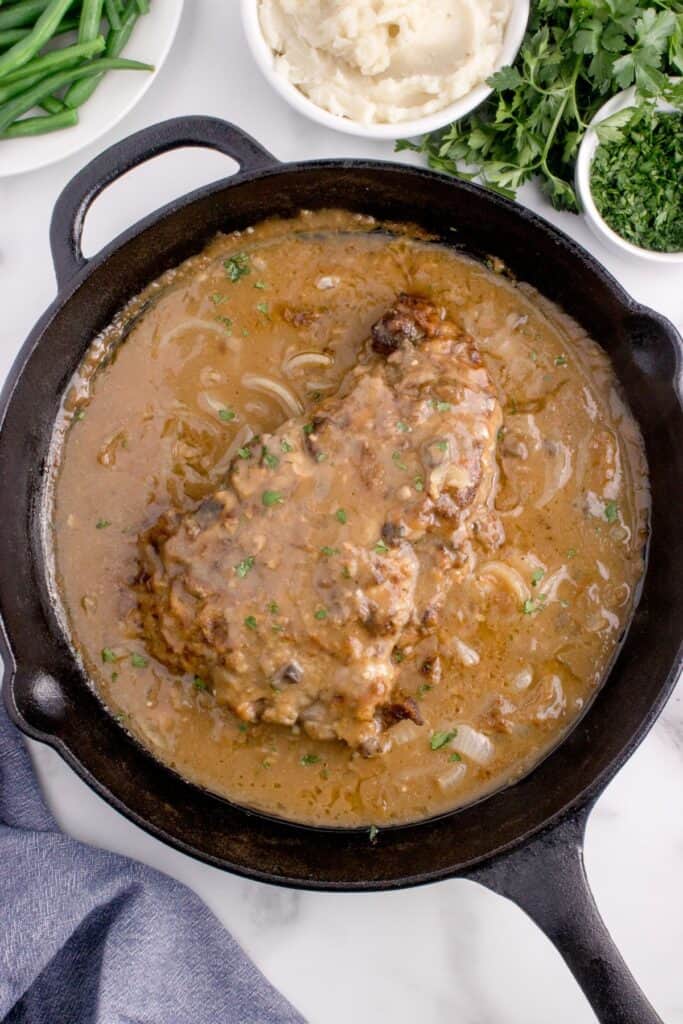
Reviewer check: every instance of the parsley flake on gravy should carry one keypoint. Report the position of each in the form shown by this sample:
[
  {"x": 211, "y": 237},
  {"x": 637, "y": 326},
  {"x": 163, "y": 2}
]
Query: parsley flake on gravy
[
  {"x": 250, "y": 622},
  {"x": 245, "y": 566},
  {"x": 227, "y": 415},
  {"x": 270, "y": 498},
  {"x": 138, "y": 661},
  {"x": 309, "y": 759},
  {"x": 237, "y": 266},
  {"x": 440, "y": 739},
  {"x": 611, "y": 511},
  {"x": 102, "y": 524},
  {"x": 341, "y": 516},
  {"x": 108, "y": 654},
  {"x": 320, "y": 614}
]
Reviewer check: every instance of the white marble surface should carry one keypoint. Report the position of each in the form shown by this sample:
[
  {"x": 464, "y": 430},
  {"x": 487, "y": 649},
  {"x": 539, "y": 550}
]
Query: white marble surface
[{"x": 449, "y": 952}]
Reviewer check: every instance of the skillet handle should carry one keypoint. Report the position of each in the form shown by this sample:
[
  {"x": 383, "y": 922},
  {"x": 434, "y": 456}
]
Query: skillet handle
[
  {"x": 546, "y": 877},
  {"x": 74, "y": 202}
]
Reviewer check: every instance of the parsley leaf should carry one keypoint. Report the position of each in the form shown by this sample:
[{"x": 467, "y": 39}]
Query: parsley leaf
[
  {"x": 245, "y": 566},
  {"x": 270, "y": 498},
  {"x": 309, "y": 759},
  {"x": 237, "y": 266},
  {"x": 440, "y": 739}
]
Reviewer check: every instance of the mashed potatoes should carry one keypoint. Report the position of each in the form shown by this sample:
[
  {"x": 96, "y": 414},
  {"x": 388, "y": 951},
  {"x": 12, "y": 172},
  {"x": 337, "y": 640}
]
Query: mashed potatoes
[{"x": 383, "y": 61}]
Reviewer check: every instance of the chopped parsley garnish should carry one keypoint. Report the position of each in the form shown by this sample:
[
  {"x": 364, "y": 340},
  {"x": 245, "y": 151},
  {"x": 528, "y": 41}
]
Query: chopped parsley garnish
[
  {"x": 320, "y": 456},
  {"x": 501, "y": 434},
  {"x": 397, "y": 459},
  {"x": 273, "y": 607},
  {"x": 245, "y": 566},
  {"x": 226, "y": 321},
  {"x": 138, "y": 661},
  {"x": 218, "y": 297},
  {"x": 199, "y": 683},
  {"x": 270, "y": 498},
  {"x": 309, "y": 759},
  {"x": 442, "y": 446},
  {"x": 381, "y": 548},
  {"x": 403, "y": 427},
  {"x": 373, "y": 832},
  {"x": 262, "y": 307},
  {"x": 237, "y": 266},
  {"x": 243, "y": 727},
  {"x": 423, "y": 688},
  {"x": 307, "y": 428},
  {"x": 536, "y": 576},
  {"x": 270, "y": 460},
  {"x": 285, "y": 446},
  {"x": 227, "y": 415},
  {"x": 102, "y": 524},
  {"x": 441, "y": 406},
  {"x": 114, "y": 676},
  {"x": 244, "y": 453},
  {"x": 108, "y": 654},
  {"x": 260, "y": 285},
  {"x": 397, "y": 655},
  {"x": 328, "y": 551},
  {"x": 80, "y": 414},
  {"x": 250, "y": 622},
  {"x": 561, "y": 361},
  {"x": 321, "y": 614},
  {"x": 455, "y": 757},
  {"x": 341, "y": 516},
  {"x": 419, "y": 484},
  {"x": 346, "y": 572},
  {"x": 611, "y": 511},
  {"x": 530, "y": 606},
  {"x": 440, "y": 739}
]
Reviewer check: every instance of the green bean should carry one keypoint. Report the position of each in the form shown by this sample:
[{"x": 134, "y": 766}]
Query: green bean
[
  {"x": 91, "y": 16},
  {"x": 83, "y": 90},
  {"x": 55, "y": 59},
  {"x": 52, "y": 105},
  {"x": 16, "y": 88},
  {"x": 113, "y": 16},
  {"x": 9, "y": 36},
  {"x": 35, "y": 95},
  {"x": 24, "y": 13},
  {"x": 40, "y": 125},
  {"x": 42, "y": 32}
]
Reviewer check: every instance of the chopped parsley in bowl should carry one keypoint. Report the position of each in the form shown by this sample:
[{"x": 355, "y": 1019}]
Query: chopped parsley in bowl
[{"x": 629, "y": 175}]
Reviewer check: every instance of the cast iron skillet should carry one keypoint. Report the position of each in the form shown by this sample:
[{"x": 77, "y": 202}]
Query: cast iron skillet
[{"x": 524, "y": 842}]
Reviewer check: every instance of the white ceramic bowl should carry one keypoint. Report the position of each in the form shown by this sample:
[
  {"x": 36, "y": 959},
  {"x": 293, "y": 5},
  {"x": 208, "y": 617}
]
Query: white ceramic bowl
[
  {"x": 117, "y": 94},
  {"x": 512, "y": 40},
  {"x": 587, "y": 149}
]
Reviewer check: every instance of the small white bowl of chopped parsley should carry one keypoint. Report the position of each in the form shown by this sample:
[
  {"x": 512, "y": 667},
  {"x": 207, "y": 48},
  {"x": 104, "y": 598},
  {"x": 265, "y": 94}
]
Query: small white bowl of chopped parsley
[{"x": 629, "y": 175}]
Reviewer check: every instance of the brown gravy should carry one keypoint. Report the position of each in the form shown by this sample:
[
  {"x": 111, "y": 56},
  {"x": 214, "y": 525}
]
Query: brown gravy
[{"x": 167, "y": 395}]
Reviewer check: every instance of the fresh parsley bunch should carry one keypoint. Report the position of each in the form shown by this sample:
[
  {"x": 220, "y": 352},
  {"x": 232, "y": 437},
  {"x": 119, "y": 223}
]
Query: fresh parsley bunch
[{"x": 575, "y": 55}]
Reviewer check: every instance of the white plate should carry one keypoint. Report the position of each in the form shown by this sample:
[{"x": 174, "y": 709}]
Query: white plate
[{"x": 117, "y": 94}]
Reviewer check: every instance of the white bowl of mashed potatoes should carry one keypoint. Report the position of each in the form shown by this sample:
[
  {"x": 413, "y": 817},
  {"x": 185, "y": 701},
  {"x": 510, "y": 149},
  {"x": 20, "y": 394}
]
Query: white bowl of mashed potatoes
[{"x": 383, "y": 68}]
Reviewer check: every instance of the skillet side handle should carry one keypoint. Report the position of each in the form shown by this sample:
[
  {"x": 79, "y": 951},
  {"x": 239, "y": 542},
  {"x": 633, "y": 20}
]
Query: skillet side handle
[
  {"x": 66, "y": 227},
  {"x": 546, "y": 877}
]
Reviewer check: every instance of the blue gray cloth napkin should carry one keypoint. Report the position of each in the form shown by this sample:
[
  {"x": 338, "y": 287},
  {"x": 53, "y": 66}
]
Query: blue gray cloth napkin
[{"x": 89, "y": 937}]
